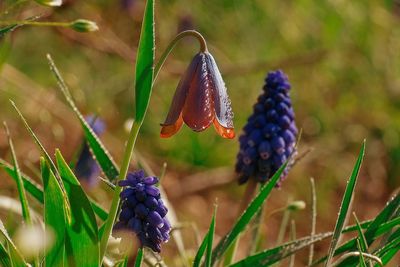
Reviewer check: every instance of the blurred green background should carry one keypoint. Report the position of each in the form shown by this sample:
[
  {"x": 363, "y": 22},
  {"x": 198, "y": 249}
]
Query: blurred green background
[{"x": 342, "y": 59}]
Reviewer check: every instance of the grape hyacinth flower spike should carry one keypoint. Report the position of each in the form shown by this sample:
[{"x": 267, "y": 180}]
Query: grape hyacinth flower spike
[
  {"x": 86, "y": 168},
  {"x": 200, "y": 100},
  {"x": 270, "y": 133},
  {"x": 143, "y": 212}
]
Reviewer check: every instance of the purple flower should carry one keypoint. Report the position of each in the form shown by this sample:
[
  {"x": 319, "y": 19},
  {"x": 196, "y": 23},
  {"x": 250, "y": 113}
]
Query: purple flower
[
  {"x": 86, "y": 167},
  {"x": 143, "y": 211},
  {"x": 270, "y": 134}
]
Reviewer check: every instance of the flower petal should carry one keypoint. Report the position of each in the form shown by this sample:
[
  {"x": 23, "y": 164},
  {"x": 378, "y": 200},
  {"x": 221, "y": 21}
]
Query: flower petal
[
  {"x": 222, "y": 103},
  {"x": 198, "y": 111},
  {"x": 170, "y": 130},
  {"x": 173, "y": 122},
  {"x": 228, "y": 133}
]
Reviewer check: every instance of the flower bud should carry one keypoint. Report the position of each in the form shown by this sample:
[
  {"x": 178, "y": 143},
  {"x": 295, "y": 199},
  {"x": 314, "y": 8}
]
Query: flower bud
[
  {"x": 296, "y": 205},
  {"x": 49, "y": 2},
  {"x": 83, "y": 25}
]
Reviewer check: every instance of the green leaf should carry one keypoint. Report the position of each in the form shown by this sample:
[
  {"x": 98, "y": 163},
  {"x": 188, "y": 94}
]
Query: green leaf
[
  {"x": 200, "y": 251},
  {"x": 8, "y": 29},
  {"x": 45, "y": 154},
  {"x": 21, "y": 190},
  {"x": 36, "y": 190},
  {"x": 351, "y": 245},
  {"x": 54, "y": 215},
  {"x": 139, "y": 258},
  {"x": 5, "y": 260},
  {"x": 145, "y": 63},
  {"x": 210, "y": 239},
  {"x": 15, "y": 256},
  {"x": 276, "y": 254},
  {"x": 361, "y": 237},
  {"x": 30, "y": 185},
  {"x": 102, "y": 156},
  {"x": 362, "y": 260},
  {"x": 81, "y": 245},
  {"x": 344, "y": 207},
  {"x": 381, "y": 223},
  {"x": 246, "y": 217}
]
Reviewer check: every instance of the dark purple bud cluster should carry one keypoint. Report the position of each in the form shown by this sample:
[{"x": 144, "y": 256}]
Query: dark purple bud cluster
[
  {"x": 86, "y": 167},
  {"x": 270, "y": 133},
  {"x": 143, "y": 212}
]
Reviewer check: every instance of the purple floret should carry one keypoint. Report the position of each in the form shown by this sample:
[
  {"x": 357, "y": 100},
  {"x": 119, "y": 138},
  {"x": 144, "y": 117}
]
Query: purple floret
[
  {"x": 269, "y": 136},
  {"x": 143, "y": 211}
]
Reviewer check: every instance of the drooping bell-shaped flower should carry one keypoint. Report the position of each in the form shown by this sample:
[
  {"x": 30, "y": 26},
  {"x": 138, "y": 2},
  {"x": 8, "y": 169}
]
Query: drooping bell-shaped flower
[
  {"x": 270, "y": 133},
  {"x": 200, "y": 100}
]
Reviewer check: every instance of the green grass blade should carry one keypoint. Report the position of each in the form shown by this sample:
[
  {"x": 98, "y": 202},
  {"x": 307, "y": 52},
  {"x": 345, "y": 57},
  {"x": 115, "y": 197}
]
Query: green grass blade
[
  {"x": 144, "y": 70},
  {"x": 8, "y": 29},
  {"x": 210, "y": 239},
  {"x": 246, "y": 217},
  {"x": 276, "y": 254},
  {"x": 15, "y": 256},
  {"x": 82, "y": 244},
  {"x": 344, "y": 207},
  {"x": 20, "y": 185},
  {"x": 381, "y": 223},
  {"x": 293, "y": 237},
  {"x": 45, "y": 154},
  {"x": 361, "y": 237},
  {"x": 351, "y": 245},
  {"x": 33, "y": 188},
  {"x": 102, "y": 156},
  {"x": 5, "y": 259},
  {"x": 200, "y": 251},
  {"x": 390, "y": 248},
  {"x": 361, "y": 257},
  {"x": 36, "y": 190},
  {"x": 54, "y": 215},
  {"x": 139, "y": 257}
]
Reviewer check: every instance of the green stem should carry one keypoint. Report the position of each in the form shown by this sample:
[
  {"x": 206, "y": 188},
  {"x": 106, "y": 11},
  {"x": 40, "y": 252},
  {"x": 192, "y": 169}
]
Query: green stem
[
  {"x": 170, "y": 47},
  {"x": 282, "y": 229},
  {"x": 35, "y": 23},
  {"x": 112, "y": 214},
  {"x": 246, "y": 199}
]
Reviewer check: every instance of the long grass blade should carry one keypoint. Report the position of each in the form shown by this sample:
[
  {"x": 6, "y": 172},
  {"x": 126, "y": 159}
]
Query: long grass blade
[
  {"x": 246, "y": 217},
  {"x": 276, "y": 254},
  {"x": 200, "y": 251},
  {"x": 210, "y": 239},
  {"x": 33, "y": 188},
  {"x": 45, "y": 154},
  {"x": 345, "y": 206},
  {"x": 139, "y": 258},
  {"x": 5, "y": 259},
  {"x": 36, "y": 190},
  {"x": 362, "y": 259},
  {"x": 15, "y": 256},
  {"x": 100, "y": 152},
  {"x": 54, "y": 215},
  {"x": 82, "y": 241},
  {"x": 20, "y": 185},
  {"x": 363, "y": 242}
]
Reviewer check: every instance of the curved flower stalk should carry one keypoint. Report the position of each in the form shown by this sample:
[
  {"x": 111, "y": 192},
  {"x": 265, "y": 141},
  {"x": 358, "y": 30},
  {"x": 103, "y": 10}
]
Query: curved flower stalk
[
  {"x": 86, "y": 167},
  {"x": 270, "y": 133},
  {"x": 143, "y": 212}
]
